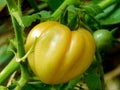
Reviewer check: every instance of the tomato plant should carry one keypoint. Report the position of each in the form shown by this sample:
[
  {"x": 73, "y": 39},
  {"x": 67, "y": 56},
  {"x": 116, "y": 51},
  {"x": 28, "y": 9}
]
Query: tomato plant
[
  {"x": 59, "y": 54},
  {"x": 65, "y": 50}
]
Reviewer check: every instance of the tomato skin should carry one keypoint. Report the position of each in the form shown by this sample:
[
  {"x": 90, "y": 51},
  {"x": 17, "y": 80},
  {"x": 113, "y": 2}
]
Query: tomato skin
[
  {"x": 59, "y": 54},
  {"x": 103, "y": 39}
]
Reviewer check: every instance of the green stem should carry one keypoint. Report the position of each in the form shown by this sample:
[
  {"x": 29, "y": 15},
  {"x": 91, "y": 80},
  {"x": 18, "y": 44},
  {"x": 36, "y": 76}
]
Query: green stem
[
  {"x": 59, "y": 11},
  {"x": 24, "y": 76},
  {"x": 105, "y": 3},
  {"x": 19, "y": 38},
  {"x": 13, "y": 65},
  {"x": 7, "y": 71},
  {"x": 11, "y": 4},
  {"x": 21, "y": 83},
  {"x": 19, "y": 7},
  {"x": 21, "y": 52},
  {"x": 100, "y": 69},
  {"x": 17, "y": 28}
]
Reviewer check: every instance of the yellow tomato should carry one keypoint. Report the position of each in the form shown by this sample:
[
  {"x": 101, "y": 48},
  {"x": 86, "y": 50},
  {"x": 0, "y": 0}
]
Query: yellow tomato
[{"x": 59, "y": 54}]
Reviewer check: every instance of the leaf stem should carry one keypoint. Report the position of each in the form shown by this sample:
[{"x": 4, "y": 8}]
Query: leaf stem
[
  {"x": 100, "y": 69},
  {"x": 59, "y": 11}
]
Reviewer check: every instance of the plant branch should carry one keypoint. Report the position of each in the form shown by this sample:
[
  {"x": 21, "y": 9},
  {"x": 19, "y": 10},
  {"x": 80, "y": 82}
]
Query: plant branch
[
  {"x": 7, "y": 71},
  {"x": 18, "y": 29}
]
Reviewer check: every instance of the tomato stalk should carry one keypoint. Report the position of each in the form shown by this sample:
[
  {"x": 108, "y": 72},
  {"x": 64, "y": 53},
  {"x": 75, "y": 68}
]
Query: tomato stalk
[
  {"x": 18, "y": 29},
  {"x": 13, "y": 65},
  {"x": 16, "y": 14}
]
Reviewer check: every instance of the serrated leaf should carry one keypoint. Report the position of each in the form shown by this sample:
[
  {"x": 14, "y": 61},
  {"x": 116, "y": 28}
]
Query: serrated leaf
[
  {"x": 44, "y": 15},
  {"x": 29, "y": 19}
]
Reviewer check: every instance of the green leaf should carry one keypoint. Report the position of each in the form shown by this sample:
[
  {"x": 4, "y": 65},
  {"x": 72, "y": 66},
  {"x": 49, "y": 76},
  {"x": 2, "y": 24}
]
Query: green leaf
[
  {"x": 29, "y": 19},
  {"x": 44, "y": 15},
  {"x": 93, "y": 9},
  {"x": 37, "y": 85},
  {"x": 106, "y": 12},
  {"x": 72, "y": 17},
  {"x": 93, "y": 81},
  {"x": 73, "y": 83},
  {"x": 2, "y": 4},
  {"x": 5, "y": 55},
  {"x": 92, "y": 78},
  {"x": 54, "y": 4},
  {"x": 69, "y": 17},
  {"x": 112, "y": 18},
  {"x": 3, "y": 88}
]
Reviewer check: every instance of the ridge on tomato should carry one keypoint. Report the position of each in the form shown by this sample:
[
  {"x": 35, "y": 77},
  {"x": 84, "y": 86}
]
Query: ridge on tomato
[{"x": 59, "y": 54}]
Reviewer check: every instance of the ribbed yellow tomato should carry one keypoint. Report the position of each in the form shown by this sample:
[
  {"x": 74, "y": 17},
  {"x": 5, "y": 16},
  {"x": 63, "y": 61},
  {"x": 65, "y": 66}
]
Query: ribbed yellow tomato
[{"x": 59, "y": 54}]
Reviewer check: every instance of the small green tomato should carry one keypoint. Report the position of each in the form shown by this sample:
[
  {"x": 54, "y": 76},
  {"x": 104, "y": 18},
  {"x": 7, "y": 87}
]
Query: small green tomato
[{"x": 103, "y": 39}]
